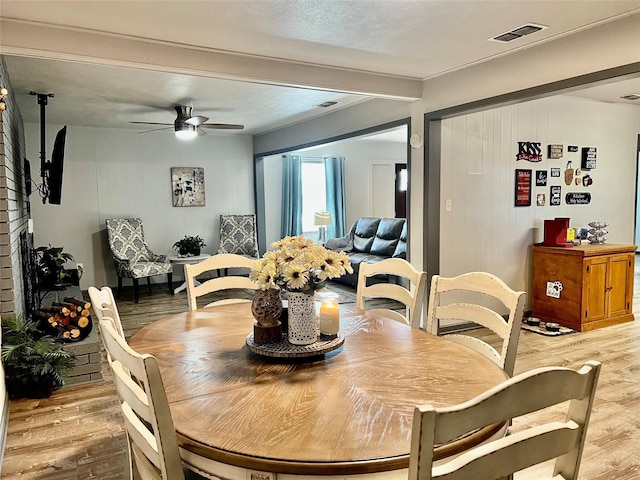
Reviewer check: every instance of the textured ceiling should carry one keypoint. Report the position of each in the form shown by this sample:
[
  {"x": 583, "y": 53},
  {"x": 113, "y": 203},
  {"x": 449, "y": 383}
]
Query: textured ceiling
[{"x": 401, "y": 39}]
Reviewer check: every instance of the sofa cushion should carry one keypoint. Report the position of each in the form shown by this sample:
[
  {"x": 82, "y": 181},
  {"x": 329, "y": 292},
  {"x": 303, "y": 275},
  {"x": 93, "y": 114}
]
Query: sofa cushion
[
  {"x": 364, "y": 234},
  {"x": 401, "y": 248},
  {"x": 387, "y": 236}
]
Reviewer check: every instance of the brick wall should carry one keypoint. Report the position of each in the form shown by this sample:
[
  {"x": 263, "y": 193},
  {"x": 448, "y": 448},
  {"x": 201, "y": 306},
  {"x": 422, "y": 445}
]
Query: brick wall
[{"x": 14, "y": 203}]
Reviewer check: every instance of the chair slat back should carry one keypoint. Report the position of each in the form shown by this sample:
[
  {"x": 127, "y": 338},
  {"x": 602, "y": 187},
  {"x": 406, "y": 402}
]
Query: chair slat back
[
  {"x": 412, "y": 297},
  {"x": 104, "y": 305},
  {"x": 489, "y": 286},
  {"x": 218, "y": 262},
  {"x": 152, "y": 437},
  {"x": 518, "y": 396}
]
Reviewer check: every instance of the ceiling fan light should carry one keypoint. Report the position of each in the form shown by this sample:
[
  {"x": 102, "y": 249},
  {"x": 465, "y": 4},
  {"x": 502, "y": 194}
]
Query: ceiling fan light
[{"x": 186, "y": 131}]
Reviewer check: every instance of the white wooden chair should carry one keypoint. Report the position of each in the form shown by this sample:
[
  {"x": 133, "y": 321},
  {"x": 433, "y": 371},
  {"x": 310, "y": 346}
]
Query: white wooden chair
[
  {"x": 523, "y": 394},
  {"x": 469, "y": 287},
  {"x": 153, "y": 445},
  {"x": 222, "y": 261},
  {"x": 412, "y": 297},
  {"x": 104, "y": 305}
]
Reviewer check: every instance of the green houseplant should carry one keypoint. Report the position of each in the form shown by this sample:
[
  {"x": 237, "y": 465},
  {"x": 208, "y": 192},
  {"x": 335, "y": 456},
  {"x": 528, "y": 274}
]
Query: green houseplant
[
  {"x": 189, "y": 245},
  {"x": 35, "y": 364},
  {"x": 50, "y": 263}
]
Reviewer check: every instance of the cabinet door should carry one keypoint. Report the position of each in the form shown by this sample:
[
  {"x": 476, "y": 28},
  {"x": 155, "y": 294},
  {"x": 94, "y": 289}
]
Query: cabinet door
[
  {"x": 618, "y": 285},
  {"x": 596, "y": 289}
]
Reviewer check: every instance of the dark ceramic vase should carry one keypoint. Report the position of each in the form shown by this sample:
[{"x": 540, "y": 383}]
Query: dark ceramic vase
[{"x": 266, "y": 307}]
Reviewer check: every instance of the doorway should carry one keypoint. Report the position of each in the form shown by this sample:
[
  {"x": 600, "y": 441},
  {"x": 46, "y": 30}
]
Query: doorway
[{"x": 401, "y": 181}]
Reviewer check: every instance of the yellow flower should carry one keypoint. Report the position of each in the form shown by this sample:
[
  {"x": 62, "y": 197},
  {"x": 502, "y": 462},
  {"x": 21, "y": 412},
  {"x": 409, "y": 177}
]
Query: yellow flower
[
  {"x": 296, "y": 276},
  {"x": 267, "y": 277}
]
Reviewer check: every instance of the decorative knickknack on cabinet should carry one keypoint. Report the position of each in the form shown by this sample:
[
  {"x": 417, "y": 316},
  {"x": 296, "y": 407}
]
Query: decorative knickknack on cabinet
[{"x": 584, "y": 287}]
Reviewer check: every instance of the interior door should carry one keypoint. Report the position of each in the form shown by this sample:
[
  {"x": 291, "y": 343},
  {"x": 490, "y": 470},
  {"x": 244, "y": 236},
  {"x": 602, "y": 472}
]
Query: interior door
[{"x": 402, "y": 180}]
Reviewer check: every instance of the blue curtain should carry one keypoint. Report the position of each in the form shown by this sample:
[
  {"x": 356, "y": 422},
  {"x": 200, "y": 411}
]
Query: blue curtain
[
  {"x": 334, "y": 173},
  {"x": 291, "y": 195}
]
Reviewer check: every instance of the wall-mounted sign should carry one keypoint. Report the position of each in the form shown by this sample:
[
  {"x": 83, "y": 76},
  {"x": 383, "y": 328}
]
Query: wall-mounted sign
[
  {"x": 572, "y": 148},
  {"x": 523, "y": 188},
  {"x": 588, "y": 157},
  {"x": 529, "y": 151},
  {"x": 577, "y": 198},
  {"x": 541, "y": 178},
  {"x": 554, "y": 151},
  {"x": 568, "y": 174},
  {"x": 554, "y": 197},
  {"x": 555, "y": 172}
]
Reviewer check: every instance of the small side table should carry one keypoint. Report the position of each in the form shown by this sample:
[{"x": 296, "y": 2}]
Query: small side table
[{"x": 175, "y": 260}]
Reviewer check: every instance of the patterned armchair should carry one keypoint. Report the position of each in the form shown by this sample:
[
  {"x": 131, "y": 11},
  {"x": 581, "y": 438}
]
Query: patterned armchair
[
  {"x": 238, "y": 235},
  {"x": 132, "y": 256}
]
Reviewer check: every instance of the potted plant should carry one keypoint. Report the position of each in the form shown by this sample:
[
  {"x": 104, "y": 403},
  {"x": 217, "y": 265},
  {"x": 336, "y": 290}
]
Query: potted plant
[
  {"x": 189, "y": 246},
  {"x": 35, "y": 364},
  {"x": 50, "y": 263}
]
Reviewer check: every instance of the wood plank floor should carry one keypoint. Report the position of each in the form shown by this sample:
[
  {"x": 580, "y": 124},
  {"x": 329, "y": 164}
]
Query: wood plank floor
[{"x": 78, "y": 433}]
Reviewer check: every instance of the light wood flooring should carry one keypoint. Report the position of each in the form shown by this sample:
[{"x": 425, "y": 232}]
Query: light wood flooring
[{"x": 78, "y": 433}]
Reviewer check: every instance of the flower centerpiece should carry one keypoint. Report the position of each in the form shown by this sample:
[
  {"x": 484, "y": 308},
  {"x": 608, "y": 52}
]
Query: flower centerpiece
[
  {"x": 300, "y": 267},
  {"x": 297, "y": 264}
]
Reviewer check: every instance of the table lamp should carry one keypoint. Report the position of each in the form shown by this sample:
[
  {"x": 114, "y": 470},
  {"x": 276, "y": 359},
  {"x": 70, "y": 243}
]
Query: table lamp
[{"x": 322, "y": 219}]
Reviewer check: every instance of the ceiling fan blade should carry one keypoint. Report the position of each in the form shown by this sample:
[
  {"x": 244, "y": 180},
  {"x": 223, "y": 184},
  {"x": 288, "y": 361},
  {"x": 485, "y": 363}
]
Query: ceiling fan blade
[
  {"x": 152, "y": 123},
  {"x": 196, "y": 120},
  {"x": 223, "y": 126},
  {"x": 157, "y": 129}
]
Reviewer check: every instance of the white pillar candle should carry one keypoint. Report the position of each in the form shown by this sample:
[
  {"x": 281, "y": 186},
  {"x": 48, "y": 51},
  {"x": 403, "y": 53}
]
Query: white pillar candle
[{"x": 329, "y": 315}]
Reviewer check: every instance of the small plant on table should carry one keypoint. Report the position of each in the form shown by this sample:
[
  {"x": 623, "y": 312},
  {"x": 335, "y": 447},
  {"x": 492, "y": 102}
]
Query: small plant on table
[{"x": 189, "y": 246}]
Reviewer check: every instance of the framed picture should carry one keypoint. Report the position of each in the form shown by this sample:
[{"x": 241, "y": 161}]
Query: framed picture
[
  {"x": 554, "y": 151},
  {"x": 541, "y": 178},
  {"x": 187, "y": 185},
  {"x": 555, "y": 195},
  {"x": 555, "y": 172},
  {"x": 523, "y": 188}
]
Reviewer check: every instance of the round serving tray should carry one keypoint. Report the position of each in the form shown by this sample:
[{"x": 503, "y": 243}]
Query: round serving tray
[{"x": 284, "y": 349}]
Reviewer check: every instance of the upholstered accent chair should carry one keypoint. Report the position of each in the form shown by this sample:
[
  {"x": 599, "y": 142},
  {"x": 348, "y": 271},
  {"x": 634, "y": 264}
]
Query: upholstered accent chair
[
  {"x": 238, "y": 235},
  {"x": 132, "y": 257}
]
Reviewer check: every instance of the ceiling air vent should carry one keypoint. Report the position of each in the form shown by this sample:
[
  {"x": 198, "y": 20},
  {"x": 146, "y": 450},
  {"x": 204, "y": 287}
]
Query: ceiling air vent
[
  {"x": 518, "y": 32},
  {"x": 326, "y": 104},
  {"x": 631, "y": 96}
]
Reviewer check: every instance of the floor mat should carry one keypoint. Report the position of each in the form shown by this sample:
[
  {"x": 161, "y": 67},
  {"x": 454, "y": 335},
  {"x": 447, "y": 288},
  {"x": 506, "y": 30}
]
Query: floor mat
[{"x": 542, "y": 330}]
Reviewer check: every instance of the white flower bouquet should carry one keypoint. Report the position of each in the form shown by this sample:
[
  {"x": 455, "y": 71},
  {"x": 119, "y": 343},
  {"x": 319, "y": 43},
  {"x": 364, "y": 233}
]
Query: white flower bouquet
[{"x": 298, "y": 264}]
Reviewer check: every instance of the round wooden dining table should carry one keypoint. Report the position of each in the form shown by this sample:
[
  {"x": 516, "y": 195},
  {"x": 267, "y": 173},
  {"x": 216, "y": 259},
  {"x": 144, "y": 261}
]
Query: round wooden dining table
[{"x": 244, "y": 416}]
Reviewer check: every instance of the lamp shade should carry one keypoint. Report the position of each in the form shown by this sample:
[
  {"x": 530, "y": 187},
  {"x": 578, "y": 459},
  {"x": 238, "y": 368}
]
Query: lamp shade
[{"x": 322, "y": 218}]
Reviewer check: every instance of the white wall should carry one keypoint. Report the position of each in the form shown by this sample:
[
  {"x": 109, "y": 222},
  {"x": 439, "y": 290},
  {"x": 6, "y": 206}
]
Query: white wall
[
  {"x": 110, "y": 173},
  {"x": 484, "y": 231},
  {"x": 359, "y": 156}
]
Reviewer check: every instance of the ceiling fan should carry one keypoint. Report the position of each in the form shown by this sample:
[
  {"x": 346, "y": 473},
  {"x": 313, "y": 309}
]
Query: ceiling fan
[{"x": 188, "y": 126}]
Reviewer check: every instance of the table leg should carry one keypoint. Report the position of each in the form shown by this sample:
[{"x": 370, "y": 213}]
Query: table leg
[{"x": 184, "y": 286}]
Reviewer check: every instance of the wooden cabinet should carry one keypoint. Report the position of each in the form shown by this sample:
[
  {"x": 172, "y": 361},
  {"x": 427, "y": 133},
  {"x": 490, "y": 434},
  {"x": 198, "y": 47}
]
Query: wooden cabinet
[{"x": 584, "y": 287}]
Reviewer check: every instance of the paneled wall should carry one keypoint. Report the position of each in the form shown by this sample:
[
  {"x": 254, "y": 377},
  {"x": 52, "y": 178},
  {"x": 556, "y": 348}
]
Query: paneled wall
[
  {"x": 112, "y": 173},
  {"x": 14, "y": 203},
  {"x": 484, "y": 230}
]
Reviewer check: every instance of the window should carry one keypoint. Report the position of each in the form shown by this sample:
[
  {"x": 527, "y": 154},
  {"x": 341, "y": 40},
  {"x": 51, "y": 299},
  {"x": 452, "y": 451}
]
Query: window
[{"x": 314, "y": 193}]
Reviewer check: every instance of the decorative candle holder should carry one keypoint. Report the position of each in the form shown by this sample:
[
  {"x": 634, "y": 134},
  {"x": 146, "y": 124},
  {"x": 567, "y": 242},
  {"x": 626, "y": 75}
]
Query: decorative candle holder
[{"x": 329, "y": 315}]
